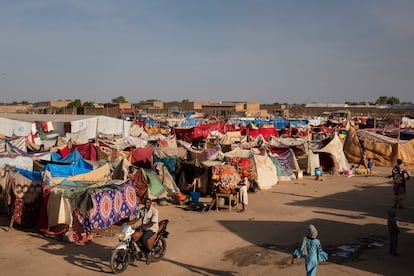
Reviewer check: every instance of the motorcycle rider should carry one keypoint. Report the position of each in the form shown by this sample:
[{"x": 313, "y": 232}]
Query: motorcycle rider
[{"x": 149, "y": 224}]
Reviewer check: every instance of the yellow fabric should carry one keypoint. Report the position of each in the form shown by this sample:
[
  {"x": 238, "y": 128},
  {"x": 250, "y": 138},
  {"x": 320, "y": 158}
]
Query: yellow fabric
[{"x": 383, "y": 154}]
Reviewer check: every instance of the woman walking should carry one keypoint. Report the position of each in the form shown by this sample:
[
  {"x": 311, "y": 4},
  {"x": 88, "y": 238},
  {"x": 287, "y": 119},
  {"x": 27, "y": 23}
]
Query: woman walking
[{"x": 311, "y": 249}]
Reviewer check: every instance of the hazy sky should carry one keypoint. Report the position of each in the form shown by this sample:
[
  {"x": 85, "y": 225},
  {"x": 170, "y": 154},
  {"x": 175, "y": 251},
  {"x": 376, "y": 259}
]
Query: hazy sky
[{"x": 241, "y": 50}]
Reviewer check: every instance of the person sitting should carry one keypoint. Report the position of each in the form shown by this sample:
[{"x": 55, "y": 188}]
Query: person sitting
[{"x": 149, "y": 224}]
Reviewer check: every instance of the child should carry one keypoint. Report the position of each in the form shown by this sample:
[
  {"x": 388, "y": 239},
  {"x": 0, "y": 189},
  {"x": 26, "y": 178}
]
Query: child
[
  {"x": 243, "y": 187},
  {"x": 394, "y": 230},
  {"x": 370, "y": 164},
  {"x": 353, "y": 169}
]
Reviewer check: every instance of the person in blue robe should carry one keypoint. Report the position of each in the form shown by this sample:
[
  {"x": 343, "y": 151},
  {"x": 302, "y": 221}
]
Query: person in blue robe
[{"x": 311, "y": 250}]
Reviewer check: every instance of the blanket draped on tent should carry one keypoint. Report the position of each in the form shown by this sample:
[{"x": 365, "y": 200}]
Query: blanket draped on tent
[
  {"x": 142, "y": 157},
  {"x": 87, "y": 150},
  {"x": 25, "y": 194},
  {"x": 102, "y": 206},
  {"x": 285, "y": 164}
]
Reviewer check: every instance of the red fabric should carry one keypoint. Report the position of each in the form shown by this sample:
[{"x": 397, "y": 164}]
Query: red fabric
[
  {"x": 42, "y": 222},
  {"x": 325, "y": 129},
  {"x": 244, "y": 163},
  {"x": 142, "y": 157},
  {"x": 140, "y": 123},
  {"x": 44, "y": 127},
  {"x": 31, "y": 137},
  {"x": 64, "y": 152},
  {"x": 141, "y": 185},
  {"x": 78, "y": 234},
  {"x": 203, "y": 130},
  {"x": 266, "y": 132},
  {"x": 87, "y": 151},
  {"x": 24, "y": 213}
]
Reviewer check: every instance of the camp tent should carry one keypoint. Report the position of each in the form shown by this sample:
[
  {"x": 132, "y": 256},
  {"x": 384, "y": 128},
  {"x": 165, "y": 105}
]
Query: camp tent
[
  {"x": 266, "y": 171},
  {"x": 335, "y": 149},
  {"x": 383, "y": 150}
]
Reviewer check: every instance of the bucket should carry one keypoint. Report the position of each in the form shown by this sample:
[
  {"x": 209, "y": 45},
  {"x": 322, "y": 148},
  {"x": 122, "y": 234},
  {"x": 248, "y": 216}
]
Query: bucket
[
  {"x": 179, "y": 196},
  {"x": 195, "y": 196},
  {"x": 221, "y": 201}
]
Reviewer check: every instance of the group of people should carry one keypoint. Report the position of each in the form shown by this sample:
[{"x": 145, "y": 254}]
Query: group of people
[{"x": 310, "y": 248}]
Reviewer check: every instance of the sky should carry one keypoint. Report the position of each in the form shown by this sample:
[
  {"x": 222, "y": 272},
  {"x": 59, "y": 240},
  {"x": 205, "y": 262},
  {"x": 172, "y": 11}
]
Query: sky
[{"x": 292, "y": 51}]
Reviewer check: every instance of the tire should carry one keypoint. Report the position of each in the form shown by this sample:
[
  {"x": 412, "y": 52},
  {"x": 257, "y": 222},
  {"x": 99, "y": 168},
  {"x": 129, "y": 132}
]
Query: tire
[
  {"x": 120, "y": 260},
  {"x": 159, "y": 250}
]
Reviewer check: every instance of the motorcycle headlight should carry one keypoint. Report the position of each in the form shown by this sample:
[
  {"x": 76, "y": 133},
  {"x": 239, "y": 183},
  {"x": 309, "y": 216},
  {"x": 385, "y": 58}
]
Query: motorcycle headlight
[{"x": 122, "y": 236}]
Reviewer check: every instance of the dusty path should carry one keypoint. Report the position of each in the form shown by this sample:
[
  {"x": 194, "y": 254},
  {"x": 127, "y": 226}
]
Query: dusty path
[{"x": 346, "y": 210}]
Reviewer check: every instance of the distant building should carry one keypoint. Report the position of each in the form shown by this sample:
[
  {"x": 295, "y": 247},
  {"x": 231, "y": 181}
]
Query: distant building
[
  {"x": 16, "y": 108},
  {"x": 52, "y": 107},
  {"x": 315, "y": 109},
  {"x": 209, "y": 108}
]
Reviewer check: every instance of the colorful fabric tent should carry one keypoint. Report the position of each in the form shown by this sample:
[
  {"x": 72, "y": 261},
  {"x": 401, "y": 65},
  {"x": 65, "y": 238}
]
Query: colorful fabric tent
[{"x": 286, "y": 165}]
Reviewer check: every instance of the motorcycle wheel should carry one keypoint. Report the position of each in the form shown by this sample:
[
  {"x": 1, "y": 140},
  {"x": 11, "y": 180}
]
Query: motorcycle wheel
[
  {"x": 120, "y": 260},
  {"x": 159, "y": 250}
]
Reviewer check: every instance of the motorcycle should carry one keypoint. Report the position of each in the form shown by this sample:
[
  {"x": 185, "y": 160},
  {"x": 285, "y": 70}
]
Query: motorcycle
[{"x": 131, "y": 248}]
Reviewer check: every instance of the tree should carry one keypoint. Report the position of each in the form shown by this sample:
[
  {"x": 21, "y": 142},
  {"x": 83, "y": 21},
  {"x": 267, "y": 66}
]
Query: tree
[
  {"x": 120, "y": 99},
  {"x": 393, "y": 100},
  {"x": 89, "y": 104},
  {"x": 387, "y": 100},
  {"x": 381, "y": 100},
  {"x": 75, "y": 103}
]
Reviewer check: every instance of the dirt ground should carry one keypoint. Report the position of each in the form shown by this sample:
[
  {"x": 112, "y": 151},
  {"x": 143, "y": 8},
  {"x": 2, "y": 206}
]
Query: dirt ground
[{"x": 349, "y": 212}]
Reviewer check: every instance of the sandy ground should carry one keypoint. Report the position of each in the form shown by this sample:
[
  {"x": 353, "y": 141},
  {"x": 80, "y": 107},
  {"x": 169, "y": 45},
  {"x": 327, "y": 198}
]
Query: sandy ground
[{"x": 349, "y": 211}]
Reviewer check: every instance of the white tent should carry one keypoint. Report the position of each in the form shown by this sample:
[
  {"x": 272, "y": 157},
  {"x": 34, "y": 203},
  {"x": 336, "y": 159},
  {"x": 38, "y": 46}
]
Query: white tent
[
  {"x": 335, "y": 149},
  {"x": 266, "y": 171}
]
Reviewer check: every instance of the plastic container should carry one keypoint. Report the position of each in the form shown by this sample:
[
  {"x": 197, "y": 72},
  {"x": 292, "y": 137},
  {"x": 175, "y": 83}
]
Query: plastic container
[
  {"x": 195, "y": 197},
  {"x": 180, "y": 197},
  {"x": 221, "y": 201}
]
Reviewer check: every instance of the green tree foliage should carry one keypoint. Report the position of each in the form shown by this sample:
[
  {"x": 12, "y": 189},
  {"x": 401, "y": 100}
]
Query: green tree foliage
[
  {"x": 393, "y": 100},
  {"x": 120, "y": 99},
  {"x": 381, "y": 100},
  {"x": 89, "y": 104},
  {"x": 75, "y": 103},
  {"x": 387, "y": 100}
]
